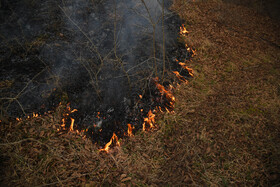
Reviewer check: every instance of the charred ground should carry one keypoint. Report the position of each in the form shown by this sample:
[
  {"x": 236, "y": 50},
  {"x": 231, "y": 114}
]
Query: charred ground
[{"x": 99, "y": 56}]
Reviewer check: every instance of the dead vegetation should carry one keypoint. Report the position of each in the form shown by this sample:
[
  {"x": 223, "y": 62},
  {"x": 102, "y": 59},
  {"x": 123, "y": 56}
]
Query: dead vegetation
[{"x": 225, "y": 129}]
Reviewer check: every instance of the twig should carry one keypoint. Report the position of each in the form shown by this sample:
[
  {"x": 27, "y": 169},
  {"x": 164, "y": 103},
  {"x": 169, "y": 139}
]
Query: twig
[
  {"x": 61, "y": 181},
  {"x": 91, "y": 42},
  {"x": 20, "y": 141}
]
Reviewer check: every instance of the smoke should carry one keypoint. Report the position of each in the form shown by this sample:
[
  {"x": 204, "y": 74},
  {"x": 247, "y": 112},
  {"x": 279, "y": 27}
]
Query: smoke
[{"x": 97, "y": 54}]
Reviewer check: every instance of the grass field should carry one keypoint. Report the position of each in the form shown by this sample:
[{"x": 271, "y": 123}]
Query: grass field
[{"x": 224, "y": 130}]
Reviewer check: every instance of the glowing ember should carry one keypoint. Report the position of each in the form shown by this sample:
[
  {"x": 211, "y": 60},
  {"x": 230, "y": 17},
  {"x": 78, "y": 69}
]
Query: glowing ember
[
  {"x": 98, "y": 113},
  {"x": 113, "y": 139}
]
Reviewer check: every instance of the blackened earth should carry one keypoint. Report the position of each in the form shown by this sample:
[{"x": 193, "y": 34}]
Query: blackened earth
[{"x": 99, "y": 56}]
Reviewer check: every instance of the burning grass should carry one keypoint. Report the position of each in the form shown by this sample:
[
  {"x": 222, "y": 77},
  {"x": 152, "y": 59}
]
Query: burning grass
[{"x": 224, "y": 129}]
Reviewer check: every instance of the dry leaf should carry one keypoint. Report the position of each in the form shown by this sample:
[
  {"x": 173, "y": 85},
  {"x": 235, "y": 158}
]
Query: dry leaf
[
  {"x": 126, "y": 179},
  {"x": 122, "y": 176},
  {"x": 31, "y": 130},
  {"x": 208, "y": 150},
  {"x": 42, "y": 133}
]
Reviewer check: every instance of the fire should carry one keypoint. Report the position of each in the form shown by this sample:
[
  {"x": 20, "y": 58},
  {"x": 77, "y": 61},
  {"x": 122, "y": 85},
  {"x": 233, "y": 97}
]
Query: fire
[
  {"x": 159, "y": 109},
  {"x": 190, "y": 50},
  {"x": 35, "y": 115},
  {"x": 113, "y": 139},
  {"x": 129, "y": 130},
  {"x": 66, "y": 115},
  {"x": 183, "y": 30},
  {"x": 63, "y": 123},
  {"x": 180, "y": 77},
  {"x": 72, "y": 124},
  {"x": 167, "y": 93},
  {"x": 149, "y": 120},
  {"x": 167, "y": 104},
  {"x": 190, "y": 70}
]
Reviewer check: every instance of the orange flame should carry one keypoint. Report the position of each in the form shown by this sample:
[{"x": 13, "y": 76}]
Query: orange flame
[
  {"x": 35, "y": 115},
  {"x": 113, "y": 139},
  {"x": 183, "y": 30},
  {"x": 190, "y": 70},
  {"x": 98, "y": 113},
  {"x": 72, "y": 124},
  {"x": 191, "y": 50},
  {"x": 180, "y": 77},
  {"x": 63, "y": 123},
  {"x": 169, "y": 96},
  {"x": 150, "y": 120},
  {"x": 129, "y": 130}
]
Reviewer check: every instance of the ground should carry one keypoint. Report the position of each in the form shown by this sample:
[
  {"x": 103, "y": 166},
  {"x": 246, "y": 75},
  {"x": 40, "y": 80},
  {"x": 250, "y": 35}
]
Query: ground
[{"x": 224, "y": 129}]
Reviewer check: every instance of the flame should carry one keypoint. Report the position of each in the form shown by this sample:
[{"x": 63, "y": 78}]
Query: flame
[
  {"x": 63, "y": 123},
  {"x": 159, "y": 109},
  {"x": 190, "y": 50},
  {"x": 98, "y": 113},
  {"x": 72, "y": 124},
  {"x": 180, "y": 77},
  {"x": 65, "y": 117},
  {"x": 113, "y": 139},
  {"x": 190, "y": 70},
  {"x": 129, "y": 130},
  {"x": 183, "y": 30},
  {"x": 35, "y": 115},
  {"x": 150, "y": 120},
  {"x": 167, "y": 93}
]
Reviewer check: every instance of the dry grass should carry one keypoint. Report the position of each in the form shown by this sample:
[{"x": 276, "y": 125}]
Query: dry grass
[{"x": 225, "y": 130}]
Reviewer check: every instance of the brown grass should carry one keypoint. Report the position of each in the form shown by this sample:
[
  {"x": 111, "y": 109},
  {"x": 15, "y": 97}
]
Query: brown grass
[{"x": 225, "y": 130}]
